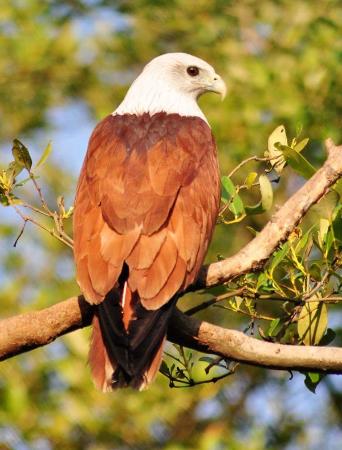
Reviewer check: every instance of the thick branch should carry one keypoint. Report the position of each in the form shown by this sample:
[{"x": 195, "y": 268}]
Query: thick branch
[
  {"x": 34, "y": 329},
  {"x": 235, "y": 345},
  {"x": 254, "y": 255}
]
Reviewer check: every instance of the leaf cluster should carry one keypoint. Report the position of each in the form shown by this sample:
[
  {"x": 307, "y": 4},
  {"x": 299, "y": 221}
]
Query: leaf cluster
[{"x": 9, "y": 196}]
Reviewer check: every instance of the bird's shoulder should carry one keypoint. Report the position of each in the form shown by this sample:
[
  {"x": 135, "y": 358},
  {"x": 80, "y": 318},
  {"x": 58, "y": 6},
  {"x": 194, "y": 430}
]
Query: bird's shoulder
[{"x": 142, "y": 132}]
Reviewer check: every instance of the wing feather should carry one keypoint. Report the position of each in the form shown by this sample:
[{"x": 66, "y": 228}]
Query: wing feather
[
  {"x": 146, "y": 198},
  {"x": 142, "y": 259},
  {"x": 170, "y": 288},
  {"x": 114, "y": 247},
  {"x": 148, "y": 282}
]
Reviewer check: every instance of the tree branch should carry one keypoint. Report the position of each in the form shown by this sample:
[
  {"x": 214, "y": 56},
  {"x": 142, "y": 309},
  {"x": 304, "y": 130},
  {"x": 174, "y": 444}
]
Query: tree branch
[
  {"x": 235, "y": 345},
  {"x": 253, "y": 256},
  {"x": 34, "y": 329}
]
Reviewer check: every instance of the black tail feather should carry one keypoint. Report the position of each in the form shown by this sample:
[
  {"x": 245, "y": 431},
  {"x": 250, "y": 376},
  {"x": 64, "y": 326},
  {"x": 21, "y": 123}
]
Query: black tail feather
[{"x": 133, "y": 351}]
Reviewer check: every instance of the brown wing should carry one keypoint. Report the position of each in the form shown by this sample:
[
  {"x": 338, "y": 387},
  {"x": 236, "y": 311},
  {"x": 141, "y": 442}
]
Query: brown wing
[{"x": 147, "y": 199}]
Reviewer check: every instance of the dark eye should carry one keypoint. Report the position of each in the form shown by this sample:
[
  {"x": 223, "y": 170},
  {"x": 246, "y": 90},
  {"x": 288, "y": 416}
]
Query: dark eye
[{"x": 193, "y": 71}]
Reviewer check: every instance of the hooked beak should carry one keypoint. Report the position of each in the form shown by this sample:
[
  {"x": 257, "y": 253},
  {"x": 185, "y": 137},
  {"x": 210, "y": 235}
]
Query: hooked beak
[{"x": 218, "y": 85}]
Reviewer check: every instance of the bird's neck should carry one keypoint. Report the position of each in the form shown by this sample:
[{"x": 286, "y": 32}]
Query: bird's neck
[{"x": 155, "y": 97}]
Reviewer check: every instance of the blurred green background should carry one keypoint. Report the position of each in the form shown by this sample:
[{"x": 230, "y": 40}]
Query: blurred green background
[{"x": 63, "y": 66}]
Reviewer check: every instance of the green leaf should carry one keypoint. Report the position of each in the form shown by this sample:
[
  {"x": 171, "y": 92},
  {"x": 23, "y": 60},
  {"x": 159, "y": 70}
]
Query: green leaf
[
  {"x": 228, "y": 188},
  {"x": 266, "y": 192},
  {"x": 329, "y": 240},
  {"x": 314, "y": 376},
  {"x": 278, "y": 136},
  {"x": 266, "y": 197},
  {"x": 337, "y": 222},
  {"x": 229, "y": 194},
  {"x": 45, "y": 154},
  {"x": 251, "y": 177},
  {"x": 14, "y": 169},
  {"x": 298, "y": 163},
  {"x": 262, "y": 281},
  {"x": 21, "y": 154},
  {"x": 273, "y": 327},
  {"x": 3, "y": 200},
  {"x": 164, "y": 368},
  {"x": 304, "y": 240},
  {"x": 312, "y": 322},
  {"x": 312, "y": 380},
  {"x": 328, "y": 337},
  {"x": 323, "y": 230},
  {"x": 236, "y": 207},
  {"x": 278, "y": 257},
  {"x": 301, "y": 145}
]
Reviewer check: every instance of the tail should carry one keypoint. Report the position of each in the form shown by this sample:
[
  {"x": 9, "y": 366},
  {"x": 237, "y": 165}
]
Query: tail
[{"x": 127, "y": 342}]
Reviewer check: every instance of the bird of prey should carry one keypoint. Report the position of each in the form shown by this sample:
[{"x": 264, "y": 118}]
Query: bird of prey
[{"x": 146, "y": 205}]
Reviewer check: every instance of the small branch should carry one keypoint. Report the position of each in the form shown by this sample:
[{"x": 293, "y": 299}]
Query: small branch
[
  {"x": 40, "y": 193},
  {"x": 213, "y": 301},
  {"x": 34, "y": 209},
  {"x": 246, "y": 161},
  {"x": 192, "y": 383},
  {"x": 247, "y": 313},
  {"x": 317, "y": 287},
  {"x": 53, "y": 233},
  {"x": 20, "y": 233}
]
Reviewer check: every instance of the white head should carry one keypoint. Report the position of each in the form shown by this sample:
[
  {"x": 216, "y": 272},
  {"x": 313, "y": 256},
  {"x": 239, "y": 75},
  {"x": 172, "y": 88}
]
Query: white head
[{"x": 171, "y": 83}]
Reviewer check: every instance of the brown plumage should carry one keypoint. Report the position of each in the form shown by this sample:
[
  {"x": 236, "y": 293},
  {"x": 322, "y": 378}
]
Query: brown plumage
[{"x": 145, "y": 209}]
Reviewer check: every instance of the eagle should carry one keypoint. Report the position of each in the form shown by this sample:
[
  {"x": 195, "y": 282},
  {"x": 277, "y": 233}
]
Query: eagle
[{"x": 146, "y": 205}]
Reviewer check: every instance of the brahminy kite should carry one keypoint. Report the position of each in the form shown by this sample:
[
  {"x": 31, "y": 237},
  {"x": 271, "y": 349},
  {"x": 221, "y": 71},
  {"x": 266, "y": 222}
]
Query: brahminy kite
[{"x": 145, "y": 209}]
